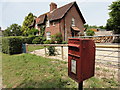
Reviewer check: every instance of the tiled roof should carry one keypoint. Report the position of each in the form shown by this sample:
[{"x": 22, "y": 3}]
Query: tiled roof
[
  {"x": 40, "y": 19},
  {"x": 58, "y": 13}
]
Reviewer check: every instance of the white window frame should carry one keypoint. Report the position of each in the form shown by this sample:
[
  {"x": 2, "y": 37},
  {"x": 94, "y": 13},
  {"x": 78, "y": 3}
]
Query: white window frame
[
  {"x": 53, "y": 23},
  {"x": 48, "y": 35},
  {"x": 73, "y": 22},
  {"x": 48, "y": 23},
  {"x": 36, "y": 26}
]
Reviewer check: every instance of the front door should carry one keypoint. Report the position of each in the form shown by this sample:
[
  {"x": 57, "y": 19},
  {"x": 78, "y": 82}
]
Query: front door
[{"x": 72, "y": 33}]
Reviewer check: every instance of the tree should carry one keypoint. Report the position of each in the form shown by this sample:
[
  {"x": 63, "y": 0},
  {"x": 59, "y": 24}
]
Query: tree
[
  {"x": 32, "y": 31},
  {"x": 102, "y": 27},
  {"x": 13, "y": 30},
  {"x": 89, "y": 26},
  {"x": 86, "y": 26},
  {"x": 26, "y": 23},
  {"x": 90, "y": 33},
  {"x": 113, "y": 23},
  {"x": 42, "y": 30}
]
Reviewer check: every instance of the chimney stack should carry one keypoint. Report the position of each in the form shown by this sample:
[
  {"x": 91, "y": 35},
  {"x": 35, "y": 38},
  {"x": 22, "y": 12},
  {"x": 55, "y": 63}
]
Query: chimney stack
[{"x": 53, "y": 6}]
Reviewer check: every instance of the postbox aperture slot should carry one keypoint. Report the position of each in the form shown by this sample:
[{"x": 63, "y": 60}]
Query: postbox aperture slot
[
  {"x": 74, "y": 48},
  {"x": 74, "y": 55},
  {"x": 74, "y": 51},
  {"x": 73, "y": 66}
]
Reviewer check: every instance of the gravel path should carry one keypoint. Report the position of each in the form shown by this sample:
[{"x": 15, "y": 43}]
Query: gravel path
[
  {"x": 41, "y": 52},
  {"x": 106, "y": 57}
]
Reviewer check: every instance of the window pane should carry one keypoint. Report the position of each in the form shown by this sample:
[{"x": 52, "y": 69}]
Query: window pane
[
  {"x": 48, "y": 36},
  {"x": 73, "y": 22},
  {"x": 47, "y": 23}
]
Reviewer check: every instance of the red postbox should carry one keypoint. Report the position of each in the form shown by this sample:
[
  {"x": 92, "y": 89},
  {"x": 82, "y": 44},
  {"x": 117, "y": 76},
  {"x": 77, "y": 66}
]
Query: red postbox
[{"x": 81, "y": 59}]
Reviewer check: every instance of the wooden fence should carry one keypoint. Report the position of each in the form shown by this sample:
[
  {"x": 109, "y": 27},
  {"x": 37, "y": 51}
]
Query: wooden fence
[
  {"x": 45, "y": 45},
  {"x": 65, "y": 45},
  {"x": 102, "y": 38}
]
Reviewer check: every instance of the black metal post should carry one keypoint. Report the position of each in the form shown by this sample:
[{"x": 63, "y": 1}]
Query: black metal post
[{"x": 80, "y": 86}]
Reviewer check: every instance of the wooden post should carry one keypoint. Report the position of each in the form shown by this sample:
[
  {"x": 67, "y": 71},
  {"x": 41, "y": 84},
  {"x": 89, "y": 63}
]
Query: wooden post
[
  {"x": 80, "y": 86},
  {"x": 45, "y": 50},
  {"x": 26, "y": 48},
  {"x": 62, "y": 51}
]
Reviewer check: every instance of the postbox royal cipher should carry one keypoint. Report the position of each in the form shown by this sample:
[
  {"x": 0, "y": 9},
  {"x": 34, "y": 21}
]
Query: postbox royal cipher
[{"x": 81, "y": 59}]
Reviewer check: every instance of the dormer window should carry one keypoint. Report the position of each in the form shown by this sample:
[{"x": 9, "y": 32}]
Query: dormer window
[
  {"x": 73, "y": 22},
  {"x": 48, "y": 23}
]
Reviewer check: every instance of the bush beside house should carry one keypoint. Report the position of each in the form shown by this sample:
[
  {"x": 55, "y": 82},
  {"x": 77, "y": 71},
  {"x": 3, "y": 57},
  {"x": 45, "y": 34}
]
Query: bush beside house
[
  {"x": 12, "y": 45},
  {"x": 38, "y": 40},
  {"x": 28, "y": 39},
  {"x": 51, "y": 50},
  {"x": 57, "y": 38},
  {"x": 90, "y": 33}
]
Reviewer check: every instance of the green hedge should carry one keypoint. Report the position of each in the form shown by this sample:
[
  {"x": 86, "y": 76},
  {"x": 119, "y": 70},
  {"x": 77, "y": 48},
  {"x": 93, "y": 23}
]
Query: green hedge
[
  {"x": 12, "y": 45},
  {"x": 38, "y": 40},
  {"x": 28, "y": 39}
]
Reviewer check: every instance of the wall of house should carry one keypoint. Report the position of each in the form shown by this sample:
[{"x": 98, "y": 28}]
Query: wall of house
[
  {"x": 72, "y": 13},
  {"x": 53, "y": 29},
  {"x": 62, "y": 28},
  {"x": 64, "y": 25}
]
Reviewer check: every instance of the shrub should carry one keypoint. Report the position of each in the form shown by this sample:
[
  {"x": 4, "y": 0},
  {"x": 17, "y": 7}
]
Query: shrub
[
  {"x": 24, "y": 40},
  {"x": 90, "y": 33},
  {"x": 47, "y": 42},
  {"x": 28, "y": 39},
  {"x": 51, "y": 51},
  {"x": 12, "y": 45},
  {"x": 64, "y": 42},
  {"x": 38, "y": 40},
  {"x": 57, "y": 38},
  {"x": 32, "y": 31}
]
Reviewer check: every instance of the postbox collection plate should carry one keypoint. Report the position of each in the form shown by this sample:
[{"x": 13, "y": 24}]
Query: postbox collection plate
[{"x": 73, "y": 66}]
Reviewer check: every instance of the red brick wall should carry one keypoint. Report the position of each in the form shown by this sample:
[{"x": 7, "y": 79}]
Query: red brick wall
[
  {"x": 53, "y": 29},
  {"x": 73, "y": 13},
  {"x": 64, "y": 25}
]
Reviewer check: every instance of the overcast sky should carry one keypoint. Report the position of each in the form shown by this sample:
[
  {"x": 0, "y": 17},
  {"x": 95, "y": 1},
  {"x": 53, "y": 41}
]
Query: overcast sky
[{"x": 95, "y": 12}]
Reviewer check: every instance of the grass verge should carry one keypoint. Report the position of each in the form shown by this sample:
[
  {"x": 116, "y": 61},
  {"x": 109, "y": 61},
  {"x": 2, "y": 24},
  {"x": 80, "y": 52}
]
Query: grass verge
[
  {"x": 31, "y": 71},
  {"x": 32, "y": 48}
]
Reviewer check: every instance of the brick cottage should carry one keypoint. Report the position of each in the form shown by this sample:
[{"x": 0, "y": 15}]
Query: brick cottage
[{"x": 67, "y": 20}]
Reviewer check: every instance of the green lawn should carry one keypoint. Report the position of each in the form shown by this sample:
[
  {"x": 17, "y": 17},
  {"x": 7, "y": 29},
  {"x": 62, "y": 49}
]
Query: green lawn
[
  {"x": 32, "y": 48},
  {"x": 31, "y": 71}
]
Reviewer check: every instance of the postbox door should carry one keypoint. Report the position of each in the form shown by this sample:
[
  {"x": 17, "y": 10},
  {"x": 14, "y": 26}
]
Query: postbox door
[{"x": 73, "y": 70}]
